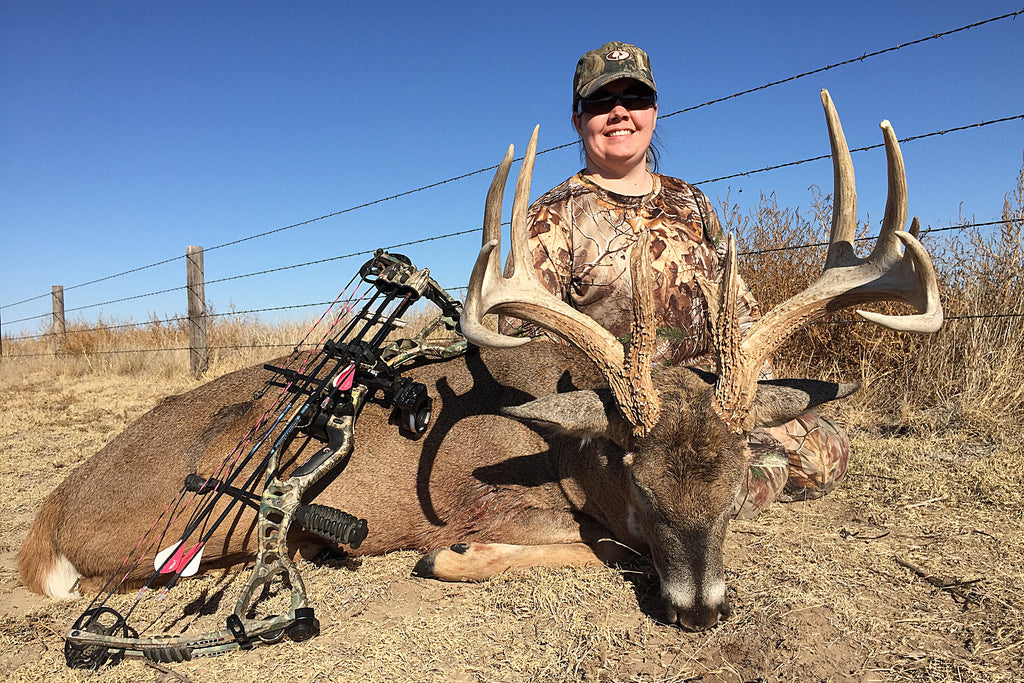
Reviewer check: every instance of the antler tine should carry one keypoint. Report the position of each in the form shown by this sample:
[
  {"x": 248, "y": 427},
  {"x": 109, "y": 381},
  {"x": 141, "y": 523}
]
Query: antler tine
[
  {"x": 521, "y": 295},
  {"x": 912, "y": 269},
  {"x": 886, "y": 275},
  {"x": 924, "y": 297},
  {"x": 492, "y": 209},
  {"x": 723, "y": 300},
  {"x": 844, "y": 199},
  {"x": 520, "y": 205},
  {"x": 888, "y": 246},
  {"x": 644, "y": 401},
  {"x": 915, "y": 227},
  {"x": 486, "y": 269}
]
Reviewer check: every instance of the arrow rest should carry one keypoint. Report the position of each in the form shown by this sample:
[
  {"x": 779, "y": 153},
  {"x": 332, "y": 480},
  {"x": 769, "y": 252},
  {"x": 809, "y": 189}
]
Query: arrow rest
[{"x": 321, "y": 401}]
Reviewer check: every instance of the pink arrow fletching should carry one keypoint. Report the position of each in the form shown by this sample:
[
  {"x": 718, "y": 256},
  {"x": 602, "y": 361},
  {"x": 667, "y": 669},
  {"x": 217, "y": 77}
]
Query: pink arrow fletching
[
  {"x": 343, "y": 382},
  {"x": 176, "y": 559}
]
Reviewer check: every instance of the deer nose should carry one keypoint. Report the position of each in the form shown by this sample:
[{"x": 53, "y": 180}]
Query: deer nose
[{"x": 700, "y": 617}]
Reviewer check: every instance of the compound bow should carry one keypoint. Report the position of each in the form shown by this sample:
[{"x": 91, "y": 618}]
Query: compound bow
[{"x": 321, "y": 399}]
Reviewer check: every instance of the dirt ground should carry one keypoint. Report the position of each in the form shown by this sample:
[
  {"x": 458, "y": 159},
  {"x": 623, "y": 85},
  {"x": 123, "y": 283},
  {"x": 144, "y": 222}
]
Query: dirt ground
[{"x": 910, "y": 571}]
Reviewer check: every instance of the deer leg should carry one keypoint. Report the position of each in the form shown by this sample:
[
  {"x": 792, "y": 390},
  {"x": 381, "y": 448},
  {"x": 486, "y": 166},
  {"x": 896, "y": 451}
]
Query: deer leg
[{"x": 479, "y": 561}]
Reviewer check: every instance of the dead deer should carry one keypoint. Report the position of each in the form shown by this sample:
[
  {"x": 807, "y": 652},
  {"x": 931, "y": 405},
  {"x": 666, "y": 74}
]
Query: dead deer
[{"x": 539, "y": 453}]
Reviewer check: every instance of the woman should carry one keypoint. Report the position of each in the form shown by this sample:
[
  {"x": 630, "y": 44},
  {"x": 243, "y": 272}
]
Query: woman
[{"x": 581, "y": 236}]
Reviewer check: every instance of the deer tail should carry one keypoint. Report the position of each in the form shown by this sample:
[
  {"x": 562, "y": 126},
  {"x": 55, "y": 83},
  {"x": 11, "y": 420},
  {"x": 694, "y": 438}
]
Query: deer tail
[{"x": 43, "y": 567}]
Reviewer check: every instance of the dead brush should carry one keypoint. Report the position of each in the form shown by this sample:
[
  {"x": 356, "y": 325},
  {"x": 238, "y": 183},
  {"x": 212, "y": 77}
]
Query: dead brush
[
  {"x": 967, "y": 378},
  {"x": 784, "y": 249},
  {"x": 974, "y": 362}
]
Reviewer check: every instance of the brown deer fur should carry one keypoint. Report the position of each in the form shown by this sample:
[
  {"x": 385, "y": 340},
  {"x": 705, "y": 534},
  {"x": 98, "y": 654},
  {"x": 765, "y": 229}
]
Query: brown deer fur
[{"x": 475, "y": 476}]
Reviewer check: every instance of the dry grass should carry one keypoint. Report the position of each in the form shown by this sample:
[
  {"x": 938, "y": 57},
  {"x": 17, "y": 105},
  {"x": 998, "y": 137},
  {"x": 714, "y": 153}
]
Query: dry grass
[
  {"x": 157, "y": 349},
  {"x": 909, "y": 571},
  {"x": 968, "y": 378},
  {"x": 816, "y": 589}
]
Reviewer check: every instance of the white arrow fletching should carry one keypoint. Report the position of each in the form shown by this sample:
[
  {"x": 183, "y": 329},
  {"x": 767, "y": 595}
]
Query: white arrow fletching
[{"x": 161, "y": 558}]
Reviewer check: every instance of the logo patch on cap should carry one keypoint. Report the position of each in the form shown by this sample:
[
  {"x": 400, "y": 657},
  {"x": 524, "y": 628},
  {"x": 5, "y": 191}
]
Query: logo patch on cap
[{"x": 617, "y": 55}]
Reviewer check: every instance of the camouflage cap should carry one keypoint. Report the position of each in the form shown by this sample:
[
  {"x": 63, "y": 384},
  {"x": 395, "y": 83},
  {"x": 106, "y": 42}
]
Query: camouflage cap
[{"x": 608, "y": 63}]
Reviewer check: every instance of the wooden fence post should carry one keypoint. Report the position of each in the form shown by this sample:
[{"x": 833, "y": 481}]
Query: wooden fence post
[
  {"x": 58, "y": 328},
  {"x": 199, "y": 360}
]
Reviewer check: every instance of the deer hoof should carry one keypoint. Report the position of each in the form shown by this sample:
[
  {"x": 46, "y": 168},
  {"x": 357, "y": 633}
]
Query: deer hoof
[{"x": 425, "y": 567}]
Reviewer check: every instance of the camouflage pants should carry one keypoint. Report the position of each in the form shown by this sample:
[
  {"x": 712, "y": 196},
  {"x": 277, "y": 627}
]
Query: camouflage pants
[{"x": 800, "y": 460}]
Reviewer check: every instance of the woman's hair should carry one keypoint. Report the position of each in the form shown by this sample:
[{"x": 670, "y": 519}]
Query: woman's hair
[{"x": 654, "y": 153}]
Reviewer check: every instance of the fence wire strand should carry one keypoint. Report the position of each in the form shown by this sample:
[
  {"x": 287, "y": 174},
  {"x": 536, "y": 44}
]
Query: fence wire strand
[
  {"x": 260, "y": 272},
  {"x": 852, "y": 60},
  {"x": 912, "y": 138},
  {"x": 182, "y": 319},
  {"x": 753, "y": 252},
  {"x": 240, "y": 347},
  {"x": 866, "y": 55},
  {"x": 459, "y": 233}
]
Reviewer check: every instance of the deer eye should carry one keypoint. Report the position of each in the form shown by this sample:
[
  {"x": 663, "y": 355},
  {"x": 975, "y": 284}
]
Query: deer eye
[
  {"x": 652, "y": 501},
  {"x": 645, "y": 491}
]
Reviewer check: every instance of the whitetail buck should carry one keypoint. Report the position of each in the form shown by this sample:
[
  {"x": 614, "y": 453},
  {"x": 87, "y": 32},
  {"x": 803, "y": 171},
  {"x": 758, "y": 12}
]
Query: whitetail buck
[{"x": 602, "y": 449}]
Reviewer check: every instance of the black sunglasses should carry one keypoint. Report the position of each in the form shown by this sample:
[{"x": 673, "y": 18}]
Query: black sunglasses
[{"x": 632, "y": 98}]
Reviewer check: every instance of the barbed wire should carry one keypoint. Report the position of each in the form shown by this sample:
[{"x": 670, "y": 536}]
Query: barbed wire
[
  {"x": 173, "y": 319},
  {"x": 168, "y": 349},
  {"x": 180, "y": 318},
  {"x": 463, "y": 176},
  {"x": 101, "y": 279},
  {"x": 345, "y": 256},
  {"x": 769, "y": 250},
  {"x": 864, "y": 56},
  {"x": 253, "y": 274},
  {"x": 241, "y": 347},
  {"x": 945, "y": 319},
  {"x": 101, "y": 303},
  {"x": 753, "y": 252},
  {"x": 912, "y": 138},
  {"x": 183, "y": 318}
]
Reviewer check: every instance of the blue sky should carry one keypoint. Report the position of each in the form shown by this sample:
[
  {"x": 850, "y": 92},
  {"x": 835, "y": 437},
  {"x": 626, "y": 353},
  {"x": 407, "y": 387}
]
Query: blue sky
[{"x": 129, "y": 130}]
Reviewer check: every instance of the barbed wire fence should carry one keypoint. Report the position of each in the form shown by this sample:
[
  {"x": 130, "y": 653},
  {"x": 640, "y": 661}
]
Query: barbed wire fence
[{"x": 747, "y": 173}]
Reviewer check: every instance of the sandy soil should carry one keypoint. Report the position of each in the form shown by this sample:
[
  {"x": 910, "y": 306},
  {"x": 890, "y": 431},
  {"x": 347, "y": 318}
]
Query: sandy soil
[{"x": 910, "y": 571}]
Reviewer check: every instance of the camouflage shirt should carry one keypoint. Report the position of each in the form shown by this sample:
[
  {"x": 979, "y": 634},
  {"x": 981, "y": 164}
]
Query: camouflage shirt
[{"x": 580, "y": 240}]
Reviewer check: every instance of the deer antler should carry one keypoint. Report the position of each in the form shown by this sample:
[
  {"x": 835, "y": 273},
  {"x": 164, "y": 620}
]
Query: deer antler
[
  {"x": 846, "y": 280},
  {"x": 522, "y": 296}
]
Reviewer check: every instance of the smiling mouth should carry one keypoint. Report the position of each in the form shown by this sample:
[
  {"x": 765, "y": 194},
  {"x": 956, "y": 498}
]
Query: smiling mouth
[{"x": 619, "y": 133}]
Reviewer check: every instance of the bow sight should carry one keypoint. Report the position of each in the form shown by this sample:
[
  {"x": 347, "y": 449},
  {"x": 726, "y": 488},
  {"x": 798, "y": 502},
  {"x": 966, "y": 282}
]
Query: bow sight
[{"x": 320, "y": 400}]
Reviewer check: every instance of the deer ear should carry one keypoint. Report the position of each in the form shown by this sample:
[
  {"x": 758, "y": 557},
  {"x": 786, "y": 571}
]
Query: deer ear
[
  {"x": 585, "y": 414},
  {"x": 781, "y": 400}
]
